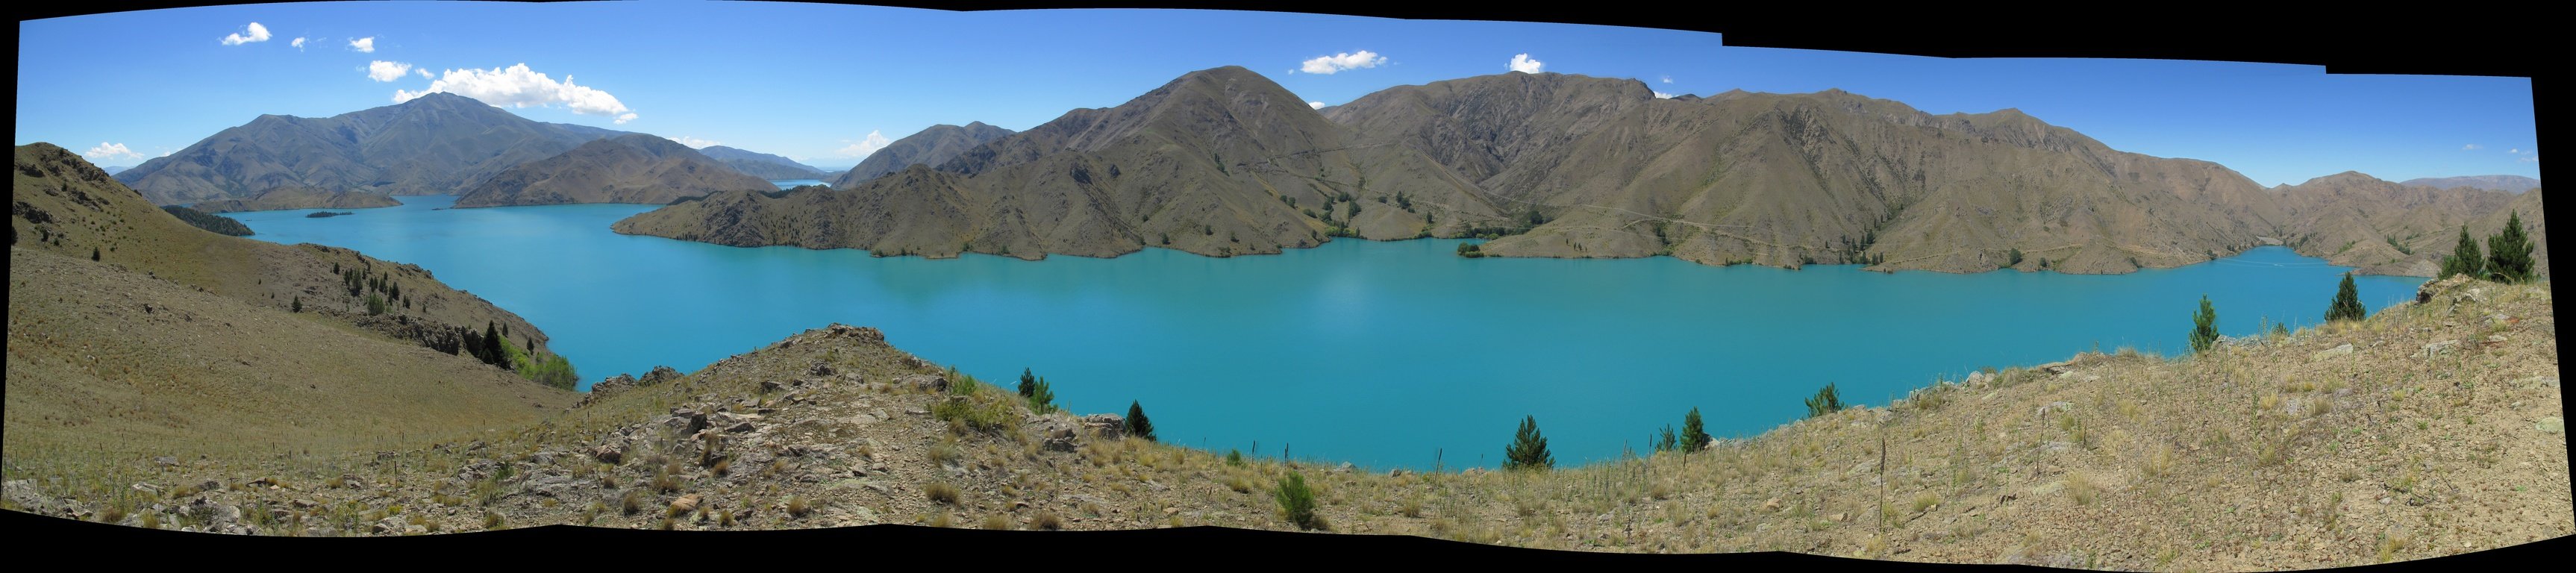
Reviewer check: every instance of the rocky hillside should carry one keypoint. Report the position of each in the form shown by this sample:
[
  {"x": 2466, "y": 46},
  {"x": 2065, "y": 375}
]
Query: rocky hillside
[
  {"x": 931, "y": 147},
  {"x": 2382, "y": 227},
  {"x": 279, "y": 198},
  {"x": 761, "y": 165},
  {"x": 2430, "y": 429},
  {"x": 2505, "y": 183},
  {"x": 624, "y": 169},
  {"x": 1829, "y": 177},
  {"x": 437, "y": 143},
  {"x": 1218, "y": 162},
  {"x": 133, "y": 334}
]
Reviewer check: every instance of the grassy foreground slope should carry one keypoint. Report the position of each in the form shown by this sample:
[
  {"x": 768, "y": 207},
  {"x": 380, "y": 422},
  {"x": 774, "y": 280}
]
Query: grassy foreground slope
[
  {"x": 133, "y": 335},
  {"x": 2344, "y": 444}
]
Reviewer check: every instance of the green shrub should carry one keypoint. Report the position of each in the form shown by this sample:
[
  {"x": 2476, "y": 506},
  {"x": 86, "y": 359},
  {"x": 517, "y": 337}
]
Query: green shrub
[
  {"x": 1297, "y": 502},
  {"x": 1137, "y": 425},
  {"x": 2509, "y": 253},
  {"x": 2204, "y": 326},
  {"x": 1694, "y": 434},
  {"x": 2347, "y": 303},
  {"x": 1826, "y": 401},
  {"x": 2465, "y": 259},
  {"x": 1528, "y": 449}
]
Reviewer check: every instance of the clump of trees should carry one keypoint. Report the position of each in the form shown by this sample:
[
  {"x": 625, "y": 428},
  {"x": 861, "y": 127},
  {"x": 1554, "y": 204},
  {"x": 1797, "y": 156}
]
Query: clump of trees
[
  {"x": 1034, "y": 389},
  {"x": 2507, "y": 257},
  {"x": 1692, "y": 437},
  {"x": 1528, "y": 450},
  {"x": 1471, "y": 250}
]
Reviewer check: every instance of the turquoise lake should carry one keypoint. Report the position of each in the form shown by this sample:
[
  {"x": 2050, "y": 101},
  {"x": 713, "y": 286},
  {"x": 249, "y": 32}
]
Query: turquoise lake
[
  {"x": 794, "y": 183},
  {"x": 1376, "y": 353}
]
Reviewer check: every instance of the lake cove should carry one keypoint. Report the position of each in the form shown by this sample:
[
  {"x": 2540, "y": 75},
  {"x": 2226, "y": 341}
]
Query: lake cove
[{"x": 1374, "y": 353}]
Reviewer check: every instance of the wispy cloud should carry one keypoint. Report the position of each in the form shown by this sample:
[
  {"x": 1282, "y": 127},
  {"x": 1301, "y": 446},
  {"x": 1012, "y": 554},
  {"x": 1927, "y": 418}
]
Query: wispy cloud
[
  {"x": 252, "y": 33},
  {"x": 364, "y": 45},
  {"x": 1662, "y": 95},
  {"x": 424, "y": 73},
  {"x": 298, "y": 42},
  {"x": 695, "y": 142},
  {"x": 518, "y": 86},
  {"x": 1329, "y": 65},
  {"x": 1668, "y": 79},
  {"x": 1315, "y": 104},
  {"x": 385, "y": 71},
  {"x": 1523, "y": 64},
  {"x": 107, "y": 150},
  {"x": 2472, "y": 147},
  {"x": 860, "y": 149}
]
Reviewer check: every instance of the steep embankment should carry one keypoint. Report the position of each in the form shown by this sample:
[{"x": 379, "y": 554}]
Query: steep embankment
[
  {"x": 2505, "y": 183},
  {"x": 624, "y": 169},
  {"x": 280, "y": 198},
  {"x": 933, "y": 146},
  {"x": 2348, "y": 444},
  {"x": 436, "y": 143},
  {"x": 132, "y": 333},
  {"x": 1218, "y": 162}
]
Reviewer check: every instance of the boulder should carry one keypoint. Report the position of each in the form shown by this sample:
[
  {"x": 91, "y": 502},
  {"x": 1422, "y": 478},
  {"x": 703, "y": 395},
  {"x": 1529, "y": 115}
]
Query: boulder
[
  {"x": 605, "y": 388},
  {"x": 2437, "y": 348},
  {"x": 23, "y": 494},
  {"x": 2424, "y": 294},
  {"x": 862, "y": 333},
  {"x": 660, "y": 374},
  {"x": 820, "y": 369},
  {"x": 2341, "y": 350},
  {"x": 1107, "y": 426},
  {"x": 609, "y": 453},
  {"x": 933, "y": 382},
  {"x": 686, "y": 504}
]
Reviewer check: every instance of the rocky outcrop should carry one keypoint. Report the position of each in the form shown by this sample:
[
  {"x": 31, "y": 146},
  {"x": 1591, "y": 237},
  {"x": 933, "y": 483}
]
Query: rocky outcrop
[{"x": 625, "y": 169}]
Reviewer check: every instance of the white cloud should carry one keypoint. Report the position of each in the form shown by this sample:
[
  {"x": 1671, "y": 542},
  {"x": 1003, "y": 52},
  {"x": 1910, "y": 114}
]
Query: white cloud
[
  {"x": 518, "y": 86},
  {"x": 1523, "y": 64},
  {"x": 366, "y": 44},
  {"x": 861, "y": 148},
  {"x": 1315, "y": 104},
  {"x": 298, "y": 42},
  {"x": 1343, "y": 61},
  {"x": 696, "y": 143},
  {"x": 107, "y": 150},
  {"x": 1662, "y": 95},
  {"x": 258, "y": 33},
  {"x": 424, "y": 73},
  {"x": 385, "y": 71},
  {"x": 1668, "y": 79},
  {"x": 2471, "y": 147},
  {"x": 2534, "y": 158}
]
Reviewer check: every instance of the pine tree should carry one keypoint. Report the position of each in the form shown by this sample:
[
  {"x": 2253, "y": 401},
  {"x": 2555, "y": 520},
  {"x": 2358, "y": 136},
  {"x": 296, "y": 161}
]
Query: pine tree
[
  {"x": 2509, "y": 253},
  {"x": 1028, "y": 383},
  {"x": 2204, "y": 326},
  {"x": 1137, "y": 425},
  {"x": 2465, "y": 258},
  {"x": 1666, "y": 440},
  {"x": 1826, "y": 401},
  {"x": 1694, "y": 434},
  {"x": 298, "y": 306},
  {"x": 1040, "y": 397},
  {"x": 2347, "y": 303},
  {"x": 93, "y": 253},
  {"x": 1528, "y": 449},
  {"x": 491, "y": 350}
]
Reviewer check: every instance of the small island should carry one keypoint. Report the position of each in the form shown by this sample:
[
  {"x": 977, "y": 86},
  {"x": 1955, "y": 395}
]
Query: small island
[{"x": 321, "y": 214}]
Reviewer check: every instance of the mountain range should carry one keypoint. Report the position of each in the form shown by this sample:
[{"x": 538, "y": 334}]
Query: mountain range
[
  {"x": 1219, "y": 162},
  {"x": 1555, "y": 165},
  {"x": 632, "y": 168},
  {"x": 762, "y": 165},
  {"x": 2506, "y": 183},
  {"x": 433, "y": 144}
]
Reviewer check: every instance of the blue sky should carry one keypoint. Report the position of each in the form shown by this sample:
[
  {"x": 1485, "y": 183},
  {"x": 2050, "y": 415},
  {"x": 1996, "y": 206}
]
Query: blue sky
[{"x": 814, "y": 82}]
